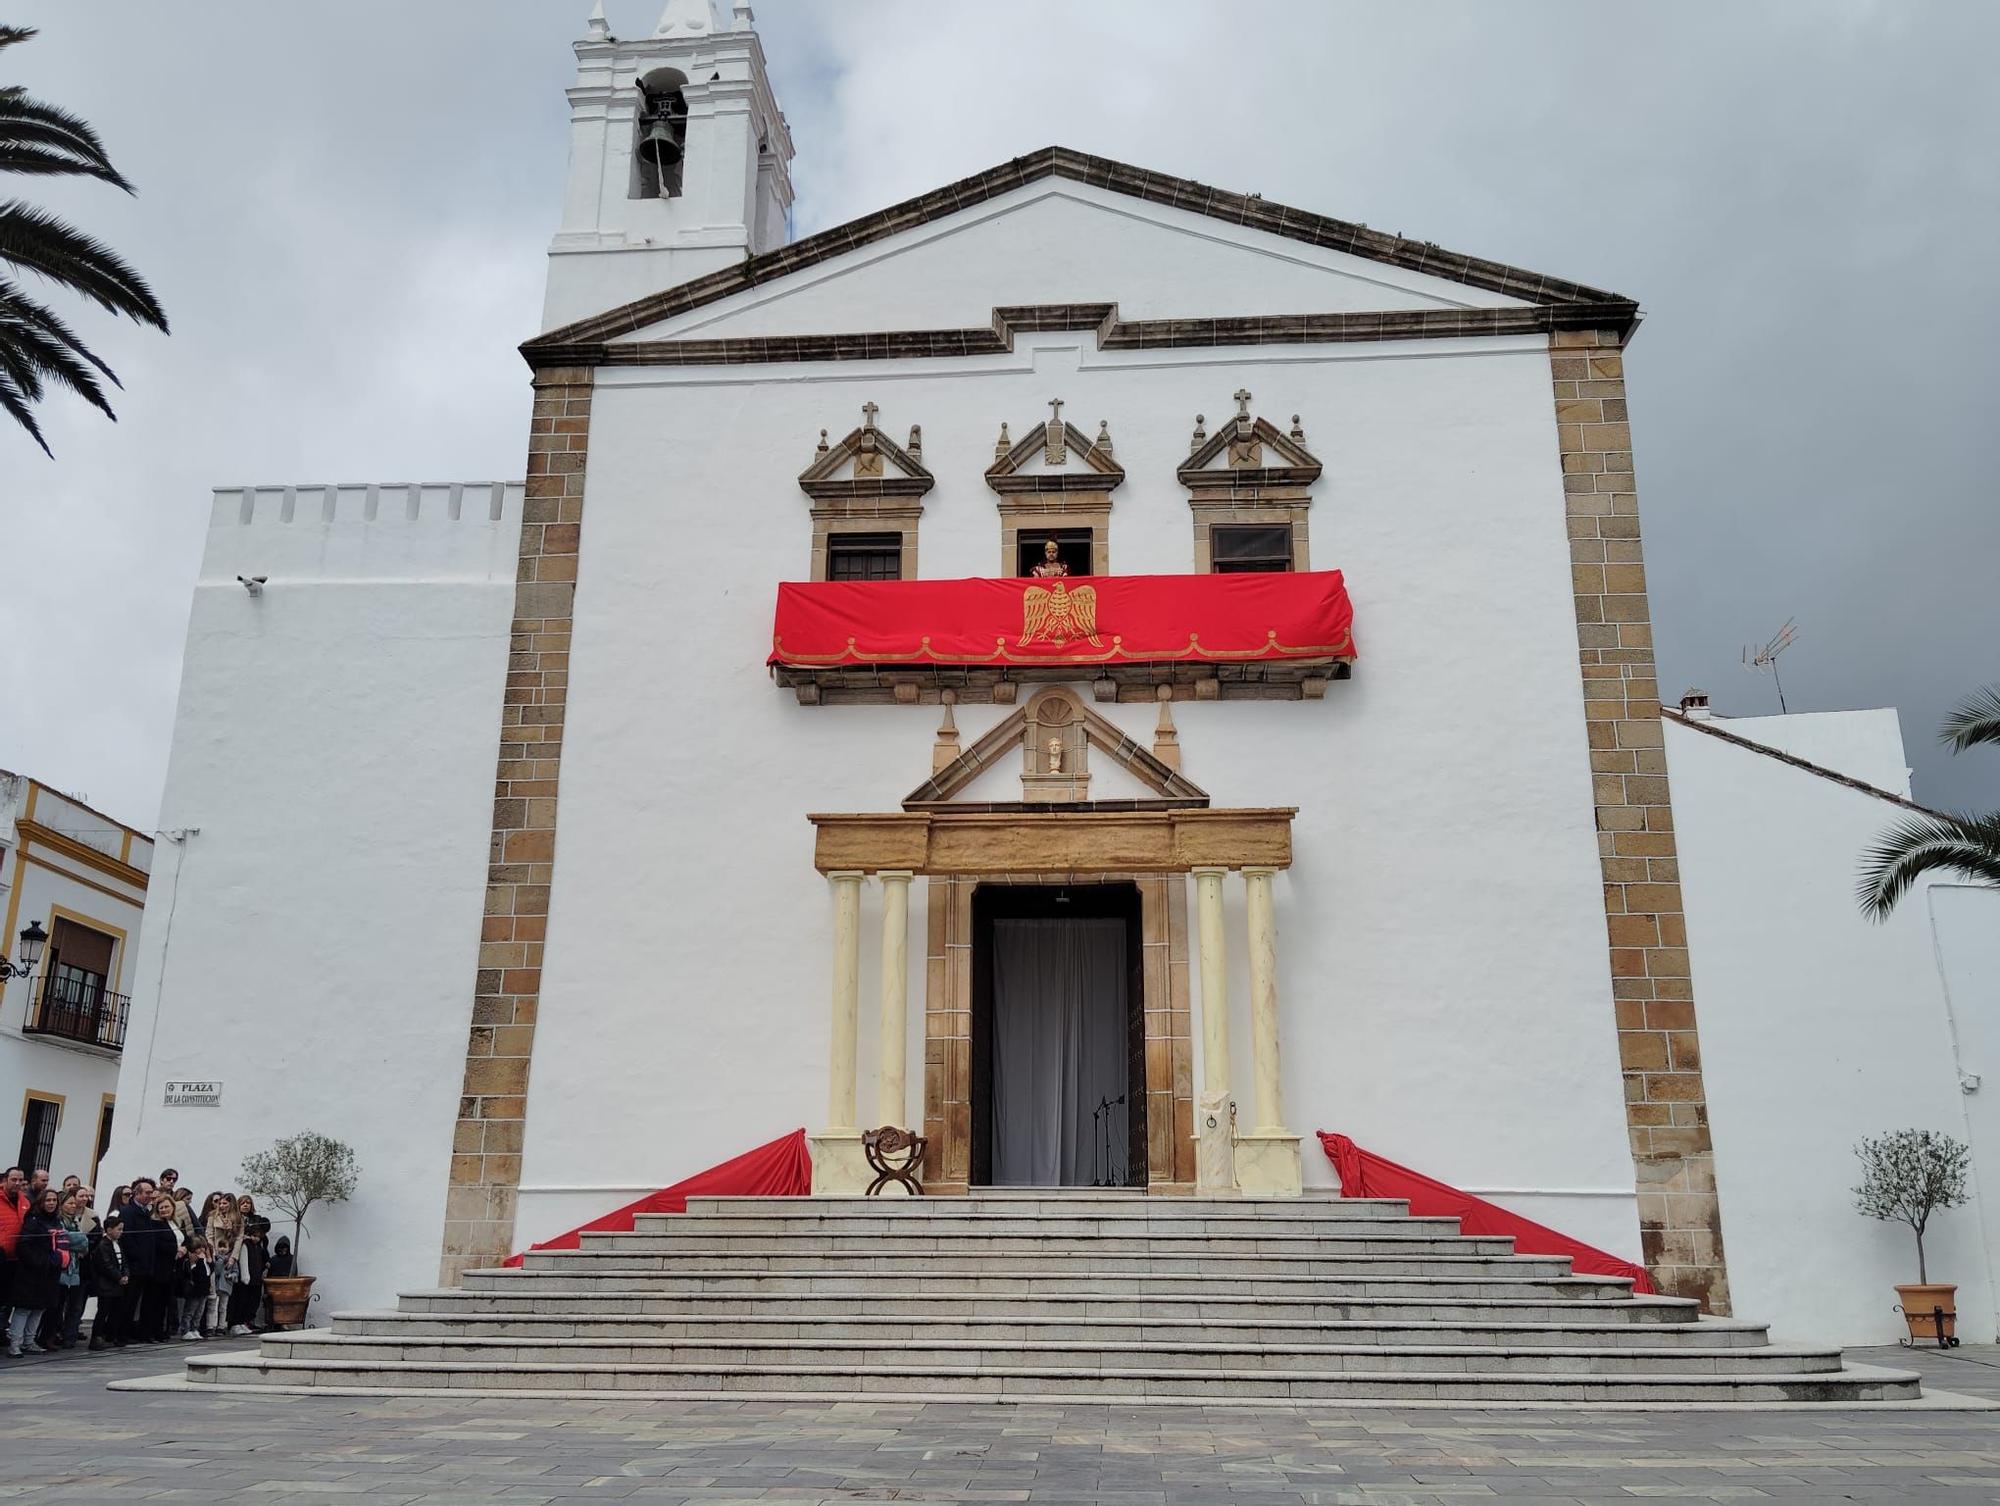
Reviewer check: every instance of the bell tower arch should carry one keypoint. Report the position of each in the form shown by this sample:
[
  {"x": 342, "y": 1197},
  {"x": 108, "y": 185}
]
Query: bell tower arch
[{"x": 679, "y": 159}]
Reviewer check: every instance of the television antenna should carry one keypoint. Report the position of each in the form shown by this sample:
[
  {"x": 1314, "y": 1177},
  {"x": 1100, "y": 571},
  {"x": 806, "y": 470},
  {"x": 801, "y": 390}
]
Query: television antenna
[{"x": 1767, "y": 657}]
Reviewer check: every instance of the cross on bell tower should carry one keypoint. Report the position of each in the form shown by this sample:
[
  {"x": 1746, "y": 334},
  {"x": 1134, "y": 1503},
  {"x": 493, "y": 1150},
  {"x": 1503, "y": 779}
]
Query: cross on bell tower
[{"x": 679, "y": 159}]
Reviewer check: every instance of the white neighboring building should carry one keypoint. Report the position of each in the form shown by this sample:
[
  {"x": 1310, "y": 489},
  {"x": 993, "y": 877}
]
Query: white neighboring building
[
  {"x": 536, "y": 853},
  {"x": 80, "y": 878},
  {"x": 1819, "y": 1026}
]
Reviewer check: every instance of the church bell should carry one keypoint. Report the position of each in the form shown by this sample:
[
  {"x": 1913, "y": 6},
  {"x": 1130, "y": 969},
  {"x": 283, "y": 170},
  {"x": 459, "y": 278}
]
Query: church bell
[{"x": 663, "y": 141}]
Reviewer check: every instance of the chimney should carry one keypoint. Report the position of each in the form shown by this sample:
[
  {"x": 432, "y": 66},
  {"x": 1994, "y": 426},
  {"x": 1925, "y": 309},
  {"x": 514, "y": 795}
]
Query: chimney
[{"x": 1694, "y": 706}]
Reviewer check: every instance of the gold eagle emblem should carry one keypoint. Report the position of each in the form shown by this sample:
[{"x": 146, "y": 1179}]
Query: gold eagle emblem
[{"x": 1055, "y": 614}]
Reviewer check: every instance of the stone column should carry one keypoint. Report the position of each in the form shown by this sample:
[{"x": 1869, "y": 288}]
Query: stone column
[
  {"x": 1267, "y": 1159},
  {"x": 838, "y": 1165},
  {"x": 1215, "y": 1170},
  {"x": 892, "y": 1102}
]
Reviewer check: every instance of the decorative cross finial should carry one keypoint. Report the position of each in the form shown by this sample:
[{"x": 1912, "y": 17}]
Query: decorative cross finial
[
  {"x": 868, "y": 412},
  {"x": 1242, "y": 396},
  {"x": 1055, "y": 453},
  {"x": 1055, "y": 410}
]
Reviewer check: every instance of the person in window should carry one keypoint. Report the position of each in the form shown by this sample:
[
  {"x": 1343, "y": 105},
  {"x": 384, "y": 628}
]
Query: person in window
[
  {"x": 40, "y": 1256},
  {"x": 1050, "y": 565}
]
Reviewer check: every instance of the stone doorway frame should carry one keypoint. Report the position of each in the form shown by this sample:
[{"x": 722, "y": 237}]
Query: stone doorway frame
[
  {"x": 948, "y": 991},
  {"x": 1154, "y": 845}
]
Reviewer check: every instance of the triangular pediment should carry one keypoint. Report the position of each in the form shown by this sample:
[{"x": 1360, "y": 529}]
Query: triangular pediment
[
  {"x": 1016, "y": 743},
  {"x": 1053, "y": 455},
  {"x": 1059, "y": 235},
  {"x": 1245, "y": 453},
  {"x": 867, "y": 462}
]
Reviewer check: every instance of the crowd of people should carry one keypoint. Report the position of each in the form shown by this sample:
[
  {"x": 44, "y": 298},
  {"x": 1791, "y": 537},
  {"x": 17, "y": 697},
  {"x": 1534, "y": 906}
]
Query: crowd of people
[{"x": 159, "y": 1268}]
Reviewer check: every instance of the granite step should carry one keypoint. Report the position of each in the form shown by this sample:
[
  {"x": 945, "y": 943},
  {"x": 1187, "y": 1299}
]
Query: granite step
[
  {"x": 863, "y": 1298},
  {"x": 1366, "y": 1240},
  {"x": 834, "y": 1324},
  {"x": 880, "y": 1220},
  {"x": 1051, "y": 1264},
  {"x": 1204, "y": 1280},
  {"x": 942, "y": 1382},
  {"x": 983, "y": 1354}
]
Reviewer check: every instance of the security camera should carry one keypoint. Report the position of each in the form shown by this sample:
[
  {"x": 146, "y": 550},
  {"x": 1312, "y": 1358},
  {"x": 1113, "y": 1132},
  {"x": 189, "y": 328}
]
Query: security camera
[{"x": 254, "y": 584}]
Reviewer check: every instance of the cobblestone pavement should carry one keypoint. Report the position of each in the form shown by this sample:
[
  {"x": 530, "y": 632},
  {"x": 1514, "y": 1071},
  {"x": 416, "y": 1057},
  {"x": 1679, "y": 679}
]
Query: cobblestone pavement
[{"x": 65, "y": 1438}]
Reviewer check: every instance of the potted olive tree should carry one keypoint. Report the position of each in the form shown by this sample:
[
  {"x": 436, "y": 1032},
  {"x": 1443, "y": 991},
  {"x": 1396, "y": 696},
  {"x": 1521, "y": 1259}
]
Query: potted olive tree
[
  {"x": 297, "y": 1172},
  {"x": 1909, "y": 1175}
]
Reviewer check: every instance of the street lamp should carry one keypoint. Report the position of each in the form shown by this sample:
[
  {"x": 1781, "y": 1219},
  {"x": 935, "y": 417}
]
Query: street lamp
[{"x": 32, "y": 941}]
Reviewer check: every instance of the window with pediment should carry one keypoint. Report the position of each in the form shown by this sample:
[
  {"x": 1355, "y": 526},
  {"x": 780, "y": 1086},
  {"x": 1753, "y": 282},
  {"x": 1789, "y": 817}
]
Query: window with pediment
[
  {"x": 1249, "y": 489},
  {"x": 867, "y": 496}
]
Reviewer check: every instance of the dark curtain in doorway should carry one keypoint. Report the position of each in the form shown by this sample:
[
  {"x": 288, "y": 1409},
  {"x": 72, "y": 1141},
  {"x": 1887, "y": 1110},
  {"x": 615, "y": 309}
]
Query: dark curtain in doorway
[{"x": 1060, "y": 1042}]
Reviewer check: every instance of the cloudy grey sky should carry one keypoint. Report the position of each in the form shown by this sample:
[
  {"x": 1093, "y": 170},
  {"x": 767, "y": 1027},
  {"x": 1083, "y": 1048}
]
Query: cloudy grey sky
[{"x": 344, "y": 208}]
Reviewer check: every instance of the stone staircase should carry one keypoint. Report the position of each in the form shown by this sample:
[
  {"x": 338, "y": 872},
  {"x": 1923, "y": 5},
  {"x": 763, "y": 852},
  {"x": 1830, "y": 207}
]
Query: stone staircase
[{"x": 1053, "y": 1295}]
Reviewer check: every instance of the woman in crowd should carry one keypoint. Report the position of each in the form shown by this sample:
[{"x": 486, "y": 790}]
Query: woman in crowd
[
  {"x": 251, "y": 1255},
  {"x": 69, "y": 1315},
  {"x": 220, "y": 1226},
  {"x": 39, "y": 1255}
]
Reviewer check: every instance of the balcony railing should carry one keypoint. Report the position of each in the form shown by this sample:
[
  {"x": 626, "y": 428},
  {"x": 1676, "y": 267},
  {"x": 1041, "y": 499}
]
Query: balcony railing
[{"x": 77, "y": 1007}]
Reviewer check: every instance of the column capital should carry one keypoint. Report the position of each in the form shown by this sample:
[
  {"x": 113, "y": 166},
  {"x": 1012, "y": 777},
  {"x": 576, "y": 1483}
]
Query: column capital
[
  {"x": 847, "y": 876},
  {"x": 1208, "y": 870},
  {"x": 1259, "y": 870},
  {"x": 896, "y": 875}
]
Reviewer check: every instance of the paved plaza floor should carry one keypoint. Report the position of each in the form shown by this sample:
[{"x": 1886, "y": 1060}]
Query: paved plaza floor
[{"x": 66, "y": 1438}]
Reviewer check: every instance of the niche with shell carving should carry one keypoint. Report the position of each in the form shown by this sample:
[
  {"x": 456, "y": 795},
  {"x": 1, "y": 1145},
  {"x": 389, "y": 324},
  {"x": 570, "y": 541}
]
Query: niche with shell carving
[{"x": 1055, "y": 750}]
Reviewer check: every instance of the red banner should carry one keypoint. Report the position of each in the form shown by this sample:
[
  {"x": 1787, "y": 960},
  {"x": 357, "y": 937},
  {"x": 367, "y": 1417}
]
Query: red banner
[
  {"x": 1103, "y": 619},
  {"x": 780, "y": 1169},
  {"x": 1365, "y": 1174}
]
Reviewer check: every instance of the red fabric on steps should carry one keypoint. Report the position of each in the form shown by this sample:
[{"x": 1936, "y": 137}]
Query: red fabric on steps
[
  {"x": 1365, "y": 1174},
  {"x": 781, "y": 1169}
]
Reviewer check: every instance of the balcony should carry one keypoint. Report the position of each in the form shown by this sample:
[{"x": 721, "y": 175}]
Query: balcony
[
  {"x": 73, "y": 1006},
  {"x": 1279, "y": 636}
]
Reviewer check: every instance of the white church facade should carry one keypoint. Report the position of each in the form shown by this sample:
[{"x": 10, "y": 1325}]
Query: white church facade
[{"x": 1110, "y": 674}]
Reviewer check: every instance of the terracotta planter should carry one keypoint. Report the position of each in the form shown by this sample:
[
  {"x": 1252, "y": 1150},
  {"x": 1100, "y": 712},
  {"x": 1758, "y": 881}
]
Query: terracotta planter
[
  {"x": 1920, "y": 1305},
  {"x": 290, "y": 1295}
]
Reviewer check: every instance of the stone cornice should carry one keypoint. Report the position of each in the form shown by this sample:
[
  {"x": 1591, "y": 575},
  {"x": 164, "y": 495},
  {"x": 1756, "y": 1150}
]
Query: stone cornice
[
  {"x": 1112, "y": 333},
  {"x": 1611, "y": 311},
  {"x": 1159, "y": 839}
]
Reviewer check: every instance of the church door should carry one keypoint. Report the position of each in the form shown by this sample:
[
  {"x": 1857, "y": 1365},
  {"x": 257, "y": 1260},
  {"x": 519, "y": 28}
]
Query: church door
[{"x": 1058, "y": 1023}]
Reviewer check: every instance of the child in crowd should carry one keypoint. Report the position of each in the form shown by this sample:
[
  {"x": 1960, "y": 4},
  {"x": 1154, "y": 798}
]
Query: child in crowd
[
  {"x": 194, "y": 1285},
  {"x": 111, "y": 1283}
]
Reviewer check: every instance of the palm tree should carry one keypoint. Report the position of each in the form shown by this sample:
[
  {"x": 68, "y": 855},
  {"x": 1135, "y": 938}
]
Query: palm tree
[
  {"x": 36, "y": 348},
  {"x": 1934, "y": 842}
]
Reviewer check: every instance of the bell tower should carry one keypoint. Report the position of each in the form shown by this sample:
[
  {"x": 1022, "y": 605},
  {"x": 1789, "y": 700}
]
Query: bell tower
[{"x": 679, "y": 160}]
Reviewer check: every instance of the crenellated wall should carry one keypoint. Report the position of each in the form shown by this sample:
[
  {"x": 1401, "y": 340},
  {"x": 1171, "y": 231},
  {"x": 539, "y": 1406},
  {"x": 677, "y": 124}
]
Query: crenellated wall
[{"x": 314, "y": 912}]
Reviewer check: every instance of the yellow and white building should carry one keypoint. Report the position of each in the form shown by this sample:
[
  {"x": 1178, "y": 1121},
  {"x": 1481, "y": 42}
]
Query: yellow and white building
[{"x": 73, "y": 889}]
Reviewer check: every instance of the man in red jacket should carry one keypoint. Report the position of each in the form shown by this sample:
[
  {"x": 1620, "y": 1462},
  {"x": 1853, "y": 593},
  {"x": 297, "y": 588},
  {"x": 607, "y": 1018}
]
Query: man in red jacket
[{"x": 13, "y": 1205}]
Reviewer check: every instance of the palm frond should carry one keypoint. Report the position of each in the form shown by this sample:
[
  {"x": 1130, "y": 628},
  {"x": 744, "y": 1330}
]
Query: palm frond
[
  {"x": 31, "y": 352},
  {"x": 25, "y": 157},
  {"x": 1965, "y": 845},
  {"x": 16, "y": 406},
  {"x": 1976, "y": 719},
  {"x": 37, "y": 240},
  {"x": 24, "y": 125},
  {"x": 14, "y": 301},
  {"x": 39, "y": 123},
  {"x": 9, "y": 35}
]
